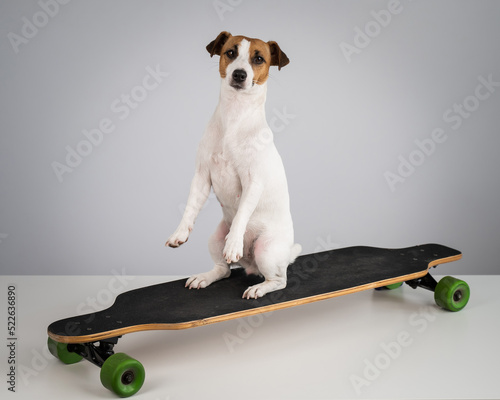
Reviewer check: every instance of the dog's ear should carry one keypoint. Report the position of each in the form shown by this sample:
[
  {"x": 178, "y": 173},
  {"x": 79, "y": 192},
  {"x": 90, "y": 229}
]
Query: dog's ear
[
  {"x": 215, "y": 46},
  {"x": 278, "y": 57}
]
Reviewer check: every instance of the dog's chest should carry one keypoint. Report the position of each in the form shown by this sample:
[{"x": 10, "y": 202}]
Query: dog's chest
[{"x": 224, "y": 175}]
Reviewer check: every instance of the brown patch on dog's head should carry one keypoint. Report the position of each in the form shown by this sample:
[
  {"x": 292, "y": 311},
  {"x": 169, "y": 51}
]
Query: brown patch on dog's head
[
  {"x": 278, "y": 57},
  {"x": 215, "y": 46},
  {"x": 260, "y": 59}
]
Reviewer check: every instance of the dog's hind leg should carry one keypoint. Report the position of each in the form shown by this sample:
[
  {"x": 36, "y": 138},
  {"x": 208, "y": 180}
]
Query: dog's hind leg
[{"x": 272, "y": 258}]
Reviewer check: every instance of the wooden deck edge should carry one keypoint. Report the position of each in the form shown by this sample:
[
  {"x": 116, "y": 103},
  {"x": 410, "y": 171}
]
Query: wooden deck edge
[{"x": 246, "y": 313}]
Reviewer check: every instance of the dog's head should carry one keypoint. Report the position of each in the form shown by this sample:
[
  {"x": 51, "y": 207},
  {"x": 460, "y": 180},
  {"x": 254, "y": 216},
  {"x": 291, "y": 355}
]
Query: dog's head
[{"x": 244, "y": 62}]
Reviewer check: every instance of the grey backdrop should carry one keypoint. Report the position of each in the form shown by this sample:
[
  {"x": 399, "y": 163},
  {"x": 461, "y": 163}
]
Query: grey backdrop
[{"x": 387, "y": 120}]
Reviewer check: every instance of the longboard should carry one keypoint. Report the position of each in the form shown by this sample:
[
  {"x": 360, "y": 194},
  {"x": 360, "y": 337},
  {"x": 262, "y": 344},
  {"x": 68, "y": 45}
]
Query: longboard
[{"x": 312, "y": 277}]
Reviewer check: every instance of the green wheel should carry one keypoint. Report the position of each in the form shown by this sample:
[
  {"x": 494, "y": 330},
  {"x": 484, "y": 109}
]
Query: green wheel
[
  {"x": 60, "y": 351},
  {"x": 122, "y": 375},
  {"x": 452, "y": 294},
  {"x": 390, "y": 287},
  {"x": 394, "y": 286}
]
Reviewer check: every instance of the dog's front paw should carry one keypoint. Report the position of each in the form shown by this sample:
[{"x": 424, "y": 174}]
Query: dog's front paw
[
  {"x": 180, "y": 236},
  {"x": 233, "y": 250}
]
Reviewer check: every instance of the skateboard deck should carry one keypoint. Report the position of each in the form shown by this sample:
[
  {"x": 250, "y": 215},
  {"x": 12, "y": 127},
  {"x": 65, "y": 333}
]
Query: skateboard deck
[{"x": 312, "y": 277}]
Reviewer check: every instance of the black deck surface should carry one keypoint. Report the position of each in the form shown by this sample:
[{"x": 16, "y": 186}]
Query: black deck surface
[{"x": 310, "y": 275}]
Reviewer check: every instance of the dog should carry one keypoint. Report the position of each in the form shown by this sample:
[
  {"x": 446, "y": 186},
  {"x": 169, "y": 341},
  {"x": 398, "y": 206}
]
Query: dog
[{"x": 238, "y": 159}]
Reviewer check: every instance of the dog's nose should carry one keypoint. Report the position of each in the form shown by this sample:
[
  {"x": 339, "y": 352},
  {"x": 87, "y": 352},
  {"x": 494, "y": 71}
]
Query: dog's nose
[{"x": 239, "y": 75}]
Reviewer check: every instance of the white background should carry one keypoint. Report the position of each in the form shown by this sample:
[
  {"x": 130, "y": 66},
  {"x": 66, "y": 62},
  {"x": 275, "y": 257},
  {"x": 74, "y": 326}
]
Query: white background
[{"x": 349, "y": 124}]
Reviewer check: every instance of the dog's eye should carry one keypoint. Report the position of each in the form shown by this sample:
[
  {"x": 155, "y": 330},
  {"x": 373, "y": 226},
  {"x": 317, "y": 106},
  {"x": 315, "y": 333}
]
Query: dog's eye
[
  {"x": 230, "y": 54},
  {"x": 258, "y": 60}
]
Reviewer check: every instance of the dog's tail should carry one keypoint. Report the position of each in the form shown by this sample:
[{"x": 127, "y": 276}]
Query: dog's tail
[{"x": 295, "y": 251}]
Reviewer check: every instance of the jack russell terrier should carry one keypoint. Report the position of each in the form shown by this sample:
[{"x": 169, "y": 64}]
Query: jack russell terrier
[{"x": 237, "y": 158}]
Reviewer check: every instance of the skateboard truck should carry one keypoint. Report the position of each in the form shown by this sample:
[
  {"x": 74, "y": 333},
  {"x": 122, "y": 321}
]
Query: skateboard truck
[
  {"x": 97, "y": 355},
  {"x": 426, "y": 282}
]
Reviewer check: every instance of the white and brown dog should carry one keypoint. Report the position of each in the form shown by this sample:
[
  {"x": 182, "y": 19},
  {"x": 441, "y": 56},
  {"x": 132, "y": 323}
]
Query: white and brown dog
[{"x": 237, "y": 157}]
